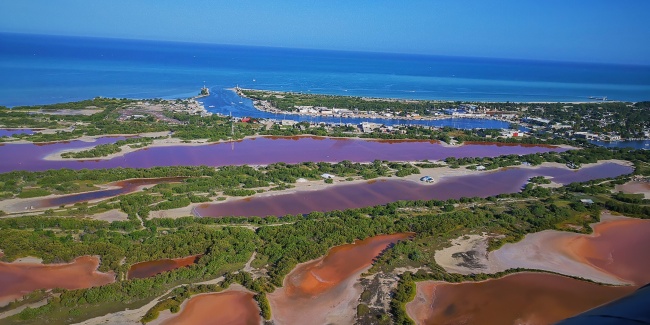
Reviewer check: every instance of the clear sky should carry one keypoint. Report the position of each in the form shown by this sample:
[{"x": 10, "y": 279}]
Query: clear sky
[{"x": 561, "y": 30}]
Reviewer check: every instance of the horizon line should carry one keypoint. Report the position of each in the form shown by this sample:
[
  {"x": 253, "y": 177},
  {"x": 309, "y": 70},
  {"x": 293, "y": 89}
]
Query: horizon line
[{"x": 336, "y": 50}]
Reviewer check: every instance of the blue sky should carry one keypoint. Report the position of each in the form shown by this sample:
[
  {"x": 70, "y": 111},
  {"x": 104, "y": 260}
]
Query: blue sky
[{"x": 560, "y": 30}]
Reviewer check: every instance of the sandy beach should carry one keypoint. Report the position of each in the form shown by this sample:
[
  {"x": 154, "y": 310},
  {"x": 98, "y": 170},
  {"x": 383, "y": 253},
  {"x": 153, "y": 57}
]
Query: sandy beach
[
  {"x": 174, "y": 213},
  {"x": 335, "y": 307}
]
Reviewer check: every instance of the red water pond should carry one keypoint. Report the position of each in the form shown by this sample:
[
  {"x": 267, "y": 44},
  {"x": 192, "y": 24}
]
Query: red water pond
[
  {"x": 618, "y": 246},
  {"x": 18, "y": 279},
  {"x": 224, "y": 308},
  {"x": 255, "y": 151},
  {"x": 340, "y": 197},
  {"x": 525, "y": 298},
  {"x": 150, "y": 268},
  {"x": 323, "y": 291},
  {"x": 614, "y": 253}
]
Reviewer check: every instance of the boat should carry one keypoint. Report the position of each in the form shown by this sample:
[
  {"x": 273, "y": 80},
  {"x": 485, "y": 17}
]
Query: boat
[{"x": 211, "y": 106}]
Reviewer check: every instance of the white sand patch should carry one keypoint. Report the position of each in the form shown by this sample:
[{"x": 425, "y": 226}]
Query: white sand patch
[
  {"x": 28, "y": 260},
  {"x": 174, "y": 213},
  {"x": 110, "y": 216},
  {"x": 466, "y": 255},
  {"x": 541, "y": 251}
]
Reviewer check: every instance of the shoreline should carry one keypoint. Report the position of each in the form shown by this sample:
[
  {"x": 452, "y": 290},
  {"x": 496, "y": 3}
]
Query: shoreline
[
  {"x": 547, "y": 250},
  {"x": 437, "y": 174},
  {"x": 29, "y": 267},
  {"x": 372, "y": 115},
  {"x": 562, "y": 297},
  {"x": 167, "y": 317},
  {"x": 11, "y": 205},
  {"x": 331, "y": 300},
  {"x": 370, "y": 98},
  {"x": 176, "y": 142},
  {"x": 318, "y": 185}
]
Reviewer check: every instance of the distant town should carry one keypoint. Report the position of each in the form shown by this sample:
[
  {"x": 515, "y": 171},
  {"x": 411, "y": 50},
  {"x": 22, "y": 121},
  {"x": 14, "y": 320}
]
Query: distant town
[{"x": 599, "y": 121}]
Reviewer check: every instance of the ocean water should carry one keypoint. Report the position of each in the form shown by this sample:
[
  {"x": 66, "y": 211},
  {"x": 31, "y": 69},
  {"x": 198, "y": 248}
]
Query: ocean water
[{"x": 38, "y": 69}]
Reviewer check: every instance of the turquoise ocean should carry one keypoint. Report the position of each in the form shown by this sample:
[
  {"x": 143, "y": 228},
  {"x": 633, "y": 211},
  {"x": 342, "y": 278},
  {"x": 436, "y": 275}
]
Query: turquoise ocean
[
  {"x": 41, "y": 69},
  {"x": 38, "y": 69}
]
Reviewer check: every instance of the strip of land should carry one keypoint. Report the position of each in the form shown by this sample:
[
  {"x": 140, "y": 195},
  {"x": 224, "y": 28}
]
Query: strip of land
[{"x": 318, "y": 185}]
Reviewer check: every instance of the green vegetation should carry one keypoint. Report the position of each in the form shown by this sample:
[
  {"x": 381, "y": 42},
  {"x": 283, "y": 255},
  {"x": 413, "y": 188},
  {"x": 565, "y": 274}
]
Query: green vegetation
[
  {"x": 35, "y": 192},
  {"x": 279, "y": 243},
  {"x": 103, "y": 150},
  {"x": 362, "y": 310},
  {"x": 265, "y": 307},
  {"x": 584, "y": 156},
  {"x": 186, "y": 126},
  {"x": 619, "y": 118},
  {"x": 203, "y": 184},
  {"x": 540, "y": 180},
  {"x": 288, "y": 101},
  {"x": 404, "y": 293},
  {"x": 624, "y": 119},
  {"x": 224, "y": 250}
]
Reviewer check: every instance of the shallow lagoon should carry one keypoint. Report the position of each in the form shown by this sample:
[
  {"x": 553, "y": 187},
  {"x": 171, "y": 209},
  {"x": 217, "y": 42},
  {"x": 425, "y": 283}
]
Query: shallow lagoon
[
  {"x": 255, "y": 151},
  {"x": 481, "y": 184}
]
